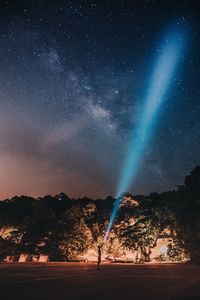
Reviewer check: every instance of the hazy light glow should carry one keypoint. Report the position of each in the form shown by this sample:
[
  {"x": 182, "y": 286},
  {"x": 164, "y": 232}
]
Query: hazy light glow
[{"x": 163, "y": 74}]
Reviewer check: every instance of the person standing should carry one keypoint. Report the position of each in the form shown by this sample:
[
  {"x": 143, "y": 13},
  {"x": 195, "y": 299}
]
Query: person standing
[{"x": 99, "y": 257}]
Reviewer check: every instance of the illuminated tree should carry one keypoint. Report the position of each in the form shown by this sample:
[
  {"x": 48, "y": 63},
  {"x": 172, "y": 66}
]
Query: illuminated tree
[{"x": 76, "y": 235}]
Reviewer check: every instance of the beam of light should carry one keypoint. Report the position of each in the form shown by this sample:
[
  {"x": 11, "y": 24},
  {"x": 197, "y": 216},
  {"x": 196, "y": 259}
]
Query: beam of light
[{"x": 162, "y": 76}]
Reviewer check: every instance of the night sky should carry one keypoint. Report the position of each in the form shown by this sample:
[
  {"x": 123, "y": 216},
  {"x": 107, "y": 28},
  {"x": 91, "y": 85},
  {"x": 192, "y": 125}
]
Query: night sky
[{"x": 73, "y": 75}]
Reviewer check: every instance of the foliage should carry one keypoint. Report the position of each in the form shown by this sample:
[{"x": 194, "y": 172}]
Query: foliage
[
  {"x": 76, "y": 236},
  {"x": 66, "y": 228},
  {"x": 6, "y": 248}
]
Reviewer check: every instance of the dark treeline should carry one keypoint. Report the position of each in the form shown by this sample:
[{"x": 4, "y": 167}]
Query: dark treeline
[{"x": 65, "y": 228}]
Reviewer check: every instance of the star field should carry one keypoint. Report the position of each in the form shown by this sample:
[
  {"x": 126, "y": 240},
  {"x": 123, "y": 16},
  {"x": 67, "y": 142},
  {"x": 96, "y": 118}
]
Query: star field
[{"x": 73, "y": 75}]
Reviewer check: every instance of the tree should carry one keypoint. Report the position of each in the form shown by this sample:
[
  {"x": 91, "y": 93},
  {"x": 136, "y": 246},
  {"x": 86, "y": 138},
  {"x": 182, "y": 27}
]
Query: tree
[
  {"x": 187, "y": 212},
  {"x": 35, "y": 228},
  {"x": 144, "y": 227},
  {"x": 6, "y": 248},
  {"x": 76, "y": 235}
]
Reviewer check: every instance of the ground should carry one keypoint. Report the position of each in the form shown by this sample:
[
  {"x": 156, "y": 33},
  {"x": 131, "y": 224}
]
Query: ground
[{"x": 59, "y": 281}]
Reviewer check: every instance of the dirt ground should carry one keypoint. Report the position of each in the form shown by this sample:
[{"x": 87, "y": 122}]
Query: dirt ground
[{"x": 59, "y": 281}]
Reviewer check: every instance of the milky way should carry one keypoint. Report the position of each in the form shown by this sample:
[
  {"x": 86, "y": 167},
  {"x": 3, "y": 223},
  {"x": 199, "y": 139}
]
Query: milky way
[{"x": 72, "y": 82}]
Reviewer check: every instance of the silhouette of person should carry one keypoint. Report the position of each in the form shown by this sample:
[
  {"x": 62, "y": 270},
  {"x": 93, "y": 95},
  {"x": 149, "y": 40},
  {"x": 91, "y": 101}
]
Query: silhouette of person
[{"x": 99, "y": 257}]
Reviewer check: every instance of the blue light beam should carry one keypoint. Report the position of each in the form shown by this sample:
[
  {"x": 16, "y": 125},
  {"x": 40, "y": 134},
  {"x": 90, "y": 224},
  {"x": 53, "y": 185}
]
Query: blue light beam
[{"x": 162, "y": 77}]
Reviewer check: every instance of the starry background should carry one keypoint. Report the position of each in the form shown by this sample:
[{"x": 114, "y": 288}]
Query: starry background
[{"x": 73, "y": 75}]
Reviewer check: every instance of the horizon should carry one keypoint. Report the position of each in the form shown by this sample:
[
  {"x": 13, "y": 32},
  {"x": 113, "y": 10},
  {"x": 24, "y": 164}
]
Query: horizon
[{"x": 98, "y": 198}]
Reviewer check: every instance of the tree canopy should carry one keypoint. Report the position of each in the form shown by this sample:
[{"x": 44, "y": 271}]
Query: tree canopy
[{"x": 66, "y": 228}]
